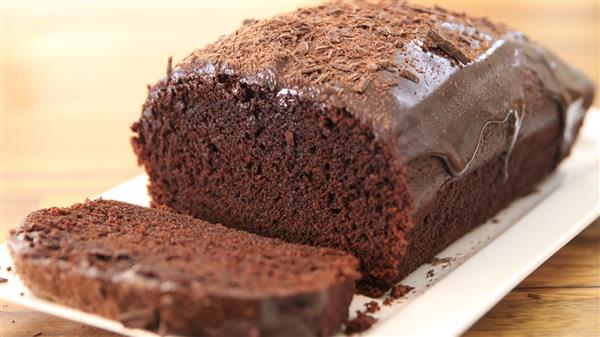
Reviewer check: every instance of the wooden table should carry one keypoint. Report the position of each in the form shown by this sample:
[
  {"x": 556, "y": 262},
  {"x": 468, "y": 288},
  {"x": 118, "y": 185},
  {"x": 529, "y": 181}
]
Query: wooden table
[{"x": 73, "y": 79}]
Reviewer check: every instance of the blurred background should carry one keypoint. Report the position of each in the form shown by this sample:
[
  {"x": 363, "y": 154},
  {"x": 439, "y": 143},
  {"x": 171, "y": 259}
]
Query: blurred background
[{"x": 74, "y": 75}]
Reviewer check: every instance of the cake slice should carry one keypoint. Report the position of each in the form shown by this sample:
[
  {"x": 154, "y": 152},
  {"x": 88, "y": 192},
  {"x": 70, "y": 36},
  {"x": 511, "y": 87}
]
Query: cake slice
[
  {"x": 384, "y": 129},
  {"x": 159, "y": 270}
]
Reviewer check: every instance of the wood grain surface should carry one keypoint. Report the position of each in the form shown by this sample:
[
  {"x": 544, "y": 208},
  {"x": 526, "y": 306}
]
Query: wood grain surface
[{"x": 73, "y": 77}]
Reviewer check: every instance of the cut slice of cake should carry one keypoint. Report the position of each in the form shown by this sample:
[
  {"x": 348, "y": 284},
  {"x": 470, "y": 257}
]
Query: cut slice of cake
[{"x": 159, "y": 270}]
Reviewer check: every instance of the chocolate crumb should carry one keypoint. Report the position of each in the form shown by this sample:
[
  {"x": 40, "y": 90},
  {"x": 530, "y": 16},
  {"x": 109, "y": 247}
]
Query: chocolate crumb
[
  {"x": 447, "y": 46},
  {"x": 3, "y": 280},
  {"x": 21, "y": 294},
  {"x": 430, "y": 273},
  {"x": 9, "y": 268},
  {"x": 400, "y": 290},
  {"x": 372, "y": 307},
  {"x": 360, "y": 323},
  {"x": 388, "y": 301}
]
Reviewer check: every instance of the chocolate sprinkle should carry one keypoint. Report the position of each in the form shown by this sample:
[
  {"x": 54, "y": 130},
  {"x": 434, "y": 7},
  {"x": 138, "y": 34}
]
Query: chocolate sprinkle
[{"x": 449, "y": 47}]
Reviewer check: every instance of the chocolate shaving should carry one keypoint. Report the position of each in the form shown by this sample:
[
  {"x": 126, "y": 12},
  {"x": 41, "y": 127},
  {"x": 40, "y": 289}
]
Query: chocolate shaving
[
  {"x": 408, "y": 75},
  {"x": 322, "y": 78},
  {"x": 302, "y": 48},
  {"x": 169, "y": 66},
  {"x": 372, "y": 67},
  {"x": 334, "y": 37},
  {"x": 362, "y": 85},
  {"x": 360, "y": 51},
  {"x": 447, "y": 46},
  {"x": 310, "y": 70},
  {"x": 289, "y": 138},
  {"x": 329, "y": 54},
  {"x": 341, "y": 67},
  {"x": 353, "y": 77},
  {"x": 247, "y": 22},
  {"x": 3, "y": 280}
]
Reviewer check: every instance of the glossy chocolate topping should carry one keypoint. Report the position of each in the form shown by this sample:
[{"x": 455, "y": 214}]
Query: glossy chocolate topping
[{"x": 427, "y": 79}]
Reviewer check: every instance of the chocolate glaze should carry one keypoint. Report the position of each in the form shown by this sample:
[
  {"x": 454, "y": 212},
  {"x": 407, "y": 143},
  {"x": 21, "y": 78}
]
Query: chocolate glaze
[
  {"x": 449, "y": 121},
  {"x": 445, "y": 115}
]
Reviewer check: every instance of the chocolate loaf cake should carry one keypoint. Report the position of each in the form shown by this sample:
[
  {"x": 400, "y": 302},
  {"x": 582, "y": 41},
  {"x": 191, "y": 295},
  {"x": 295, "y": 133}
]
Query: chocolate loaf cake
[
  {"x": 160, "y": 270},
  {"x": 384, "y": 129}
]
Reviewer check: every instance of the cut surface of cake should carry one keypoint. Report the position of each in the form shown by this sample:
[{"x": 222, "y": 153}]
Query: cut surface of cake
[
  {"x": 159, "y": 270},
  {"x": 384, "y": 129}
]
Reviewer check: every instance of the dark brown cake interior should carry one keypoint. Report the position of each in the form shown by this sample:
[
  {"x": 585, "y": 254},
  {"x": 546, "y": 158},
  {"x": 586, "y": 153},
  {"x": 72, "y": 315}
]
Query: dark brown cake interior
[
  {"x": 127, "y": 251},
  {"x": 339, "y": 190},
  {"x": 114, "y": 237}
]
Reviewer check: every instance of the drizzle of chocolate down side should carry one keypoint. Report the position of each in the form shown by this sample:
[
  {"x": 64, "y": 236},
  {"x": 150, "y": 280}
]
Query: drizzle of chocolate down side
[{"x": 422, "y": 73}]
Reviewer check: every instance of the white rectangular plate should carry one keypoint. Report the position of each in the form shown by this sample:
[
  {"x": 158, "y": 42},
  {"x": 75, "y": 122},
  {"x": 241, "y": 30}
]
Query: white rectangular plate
[{"x": 475, "y": 272}]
